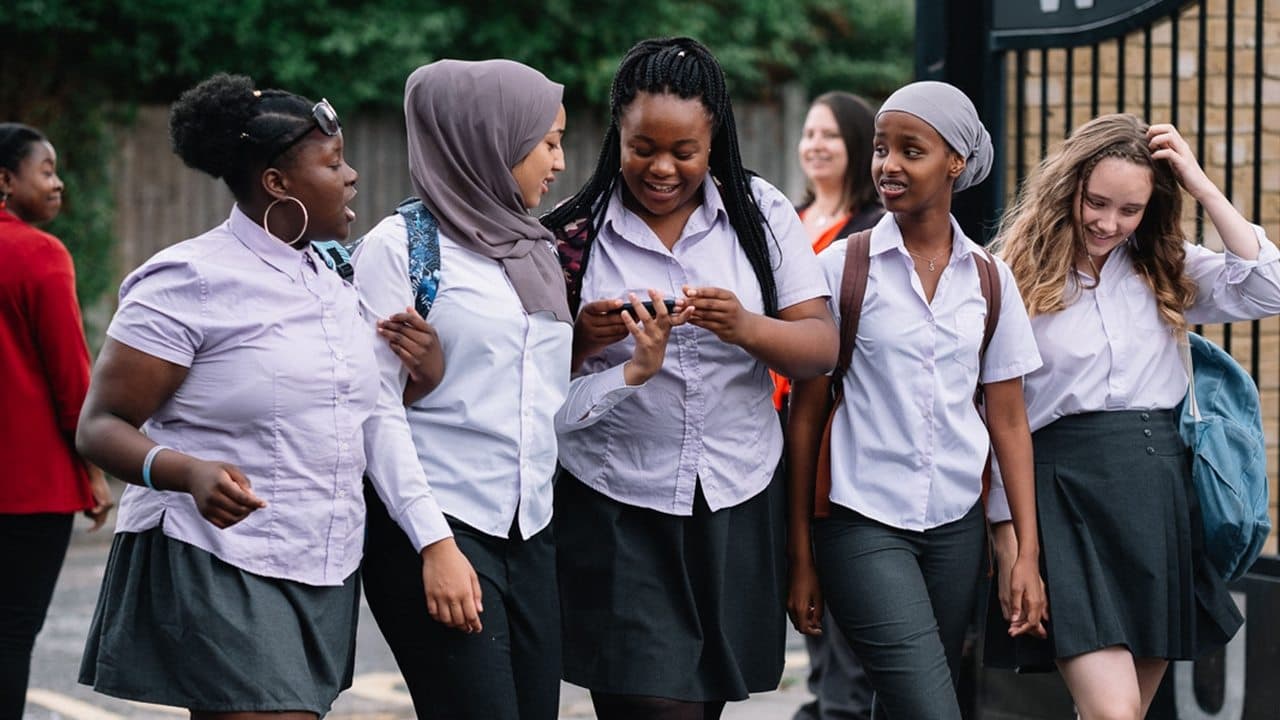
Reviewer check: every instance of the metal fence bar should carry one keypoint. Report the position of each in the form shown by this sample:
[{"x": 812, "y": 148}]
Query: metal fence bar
[
  {"x": 1255, "y": 328},
  {"x": 1044, "y": 101},
  {"x": 1020, "y": 117},
  {"x": 1121, "y": 75}
]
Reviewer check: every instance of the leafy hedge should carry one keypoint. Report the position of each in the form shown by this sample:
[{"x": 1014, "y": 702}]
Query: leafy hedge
[{"x": 76, "y": 67}]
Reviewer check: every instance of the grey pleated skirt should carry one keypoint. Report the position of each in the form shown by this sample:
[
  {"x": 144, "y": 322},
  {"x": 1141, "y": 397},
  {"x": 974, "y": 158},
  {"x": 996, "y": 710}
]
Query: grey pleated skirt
[
  {"x": 688, "y": 608},
  {"x": 1120, "y": 544},
  {"x": 177, "y": 626}
]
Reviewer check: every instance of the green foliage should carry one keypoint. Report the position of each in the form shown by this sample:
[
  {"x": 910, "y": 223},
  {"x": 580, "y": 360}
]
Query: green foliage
[{"x": 66, "y": 64}]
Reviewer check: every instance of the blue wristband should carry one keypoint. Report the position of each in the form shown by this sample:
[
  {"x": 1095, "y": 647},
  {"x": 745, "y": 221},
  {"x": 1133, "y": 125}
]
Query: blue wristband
[{"x": 146, "y": 464}]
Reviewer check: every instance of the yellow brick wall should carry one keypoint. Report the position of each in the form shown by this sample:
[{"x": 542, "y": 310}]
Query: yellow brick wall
[{"x": 1052, "y": 67}]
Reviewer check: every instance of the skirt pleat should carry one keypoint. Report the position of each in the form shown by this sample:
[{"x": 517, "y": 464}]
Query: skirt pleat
[
  {"x": 1120, "y": 545},
  {"x": 175, "y": 625}
]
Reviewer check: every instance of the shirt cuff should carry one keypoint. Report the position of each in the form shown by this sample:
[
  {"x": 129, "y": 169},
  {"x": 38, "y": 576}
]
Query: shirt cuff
[
  {"x": 424, "y": 522},
  {"x": 605, "y": 389},
  {"x": 1238, "y": 268}
]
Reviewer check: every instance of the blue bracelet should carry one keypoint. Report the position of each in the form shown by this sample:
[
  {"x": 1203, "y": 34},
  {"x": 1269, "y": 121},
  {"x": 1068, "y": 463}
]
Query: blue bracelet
[{"x": 146, "y": 464}]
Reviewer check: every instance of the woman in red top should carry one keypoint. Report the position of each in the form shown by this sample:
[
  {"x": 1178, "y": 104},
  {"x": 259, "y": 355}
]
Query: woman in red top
[
  {"x": 839, "y": 197},
  {"x": 45, "y": 365}
]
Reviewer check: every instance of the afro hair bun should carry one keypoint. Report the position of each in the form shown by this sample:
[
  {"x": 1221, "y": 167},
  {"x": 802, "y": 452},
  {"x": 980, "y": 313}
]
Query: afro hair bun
[{"x": 206, "y": 122}]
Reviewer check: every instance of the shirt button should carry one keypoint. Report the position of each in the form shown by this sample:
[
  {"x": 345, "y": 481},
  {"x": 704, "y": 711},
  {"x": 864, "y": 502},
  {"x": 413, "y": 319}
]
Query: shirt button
[
  {"x": 1147, "y": 432},
  {"x": 1151, "y": 450},
  {"x": 1146, "y": 416}
]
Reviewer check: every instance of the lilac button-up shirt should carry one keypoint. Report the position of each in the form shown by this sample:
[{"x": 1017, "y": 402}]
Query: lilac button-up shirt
[
  {"x": 707, "y": 416},
  {"x": 282, "y": 383},
  {"x": 907, "y": 445}
]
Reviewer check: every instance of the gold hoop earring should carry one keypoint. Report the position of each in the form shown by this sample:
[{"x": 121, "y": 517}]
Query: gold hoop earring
[{"x": 305, "y": 218}]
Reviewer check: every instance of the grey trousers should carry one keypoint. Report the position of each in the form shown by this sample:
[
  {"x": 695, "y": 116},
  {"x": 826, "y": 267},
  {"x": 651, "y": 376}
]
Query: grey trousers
[
  {"x": 904, "y": 600},
  {"x": 841, "y": 689}
]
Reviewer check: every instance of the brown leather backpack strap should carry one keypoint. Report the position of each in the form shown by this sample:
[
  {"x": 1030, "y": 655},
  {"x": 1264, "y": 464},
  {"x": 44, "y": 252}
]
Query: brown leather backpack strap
[
  {"x": 989, "y": 282},
  {"x": 853, "y": 290}
]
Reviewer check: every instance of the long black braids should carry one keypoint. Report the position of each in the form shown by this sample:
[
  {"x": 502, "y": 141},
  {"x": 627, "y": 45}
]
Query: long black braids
[{"x": 686, "y": 68}]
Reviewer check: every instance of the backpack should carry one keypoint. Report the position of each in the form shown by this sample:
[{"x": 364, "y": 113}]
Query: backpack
[
  {"x": 853, "y": 289},
  {"x": 1221, "y": 423},
  {"x": 424, "y": 254}
]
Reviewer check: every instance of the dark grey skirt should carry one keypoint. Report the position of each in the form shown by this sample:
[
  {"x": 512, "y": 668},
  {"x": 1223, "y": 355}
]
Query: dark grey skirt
[
  {"x": 1120, "y": 544},
  {"x": 688, "y": 608},
  {"x": 177, "y": 626}
]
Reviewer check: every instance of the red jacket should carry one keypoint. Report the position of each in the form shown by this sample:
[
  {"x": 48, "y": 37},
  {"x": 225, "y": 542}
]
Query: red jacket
[{"x": 44, "y": 373}]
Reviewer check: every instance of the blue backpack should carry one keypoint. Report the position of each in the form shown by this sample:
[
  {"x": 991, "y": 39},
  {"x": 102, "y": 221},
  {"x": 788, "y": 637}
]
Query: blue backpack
[
  {"x": 424, "y": 254},
  {"x": 1221, "y": 423}
]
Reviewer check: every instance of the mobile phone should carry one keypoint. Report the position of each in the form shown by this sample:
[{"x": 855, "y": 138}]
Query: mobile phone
[{"x": 648, "y": 305}]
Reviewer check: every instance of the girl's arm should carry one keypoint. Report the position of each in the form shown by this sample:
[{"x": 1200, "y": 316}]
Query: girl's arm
[
  {"x": 802, "y": 342},
  {"x": 1237, "y": 233},
  {"x": 807, "y": 417},
  {"x": 127, "y": 387},
  {"x": 591, "y": 396},
  {"x": 1011, "y": 438}
]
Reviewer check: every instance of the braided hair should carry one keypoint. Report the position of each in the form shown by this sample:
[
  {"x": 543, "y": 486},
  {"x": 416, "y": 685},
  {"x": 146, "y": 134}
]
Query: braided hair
[
  {"x": 229, "y": 130},
  {"x": 685, "y": 68}
]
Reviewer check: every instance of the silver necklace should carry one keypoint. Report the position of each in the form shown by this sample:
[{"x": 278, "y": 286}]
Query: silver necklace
[{"x": 932, "y": 261}]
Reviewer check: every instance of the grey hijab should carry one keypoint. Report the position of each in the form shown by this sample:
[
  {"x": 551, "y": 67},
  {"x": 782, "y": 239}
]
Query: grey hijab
[
  {"x": 952, "y": 114},
  {"x": 469, "y": 123}
]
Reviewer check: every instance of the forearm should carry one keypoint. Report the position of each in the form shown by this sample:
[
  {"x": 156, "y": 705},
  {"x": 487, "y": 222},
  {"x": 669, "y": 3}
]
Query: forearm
[
  {"x": 116, "y": 446},
  {"x": 1013, "y": 449},
  {"x": 807, "y": 417},
  {"x": 799, "y": 349},
  {"x": 1236, "y": 232}
]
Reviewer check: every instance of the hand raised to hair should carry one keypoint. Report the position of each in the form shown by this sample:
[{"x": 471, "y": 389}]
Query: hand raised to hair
[{"x": 1167, "y": 144}]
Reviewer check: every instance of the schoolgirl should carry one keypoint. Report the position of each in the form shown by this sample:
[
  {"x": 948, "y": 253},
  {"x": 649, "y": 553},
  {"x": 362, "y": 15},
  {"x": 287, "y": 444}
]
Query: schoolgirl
[
  {"x": 238, "y": 395},
  {"x": 903, "y": 545},
  {"x": 669, "y": 517},
  {"x": 484, "y": 146},
  {"x": 1096, "y": 243}
]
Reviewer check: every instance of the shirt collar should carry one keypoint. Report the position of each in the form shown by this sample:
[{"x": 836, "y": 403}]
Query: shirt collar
[
  {"x": 886, "y": 235},
  {"x": 270, "y": 249},
  {"x": 627, "y": 224}
]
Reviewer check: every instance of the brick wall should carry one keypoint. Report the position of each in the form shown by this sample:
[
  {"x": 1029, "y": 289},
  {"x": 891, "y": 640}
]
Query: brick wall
[{"x": 1226, "y": 134}]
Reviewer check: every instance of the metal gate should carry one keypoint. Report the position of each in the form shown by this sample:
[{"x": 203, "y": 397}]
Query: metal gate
[{"x": 1037, "y": 69}]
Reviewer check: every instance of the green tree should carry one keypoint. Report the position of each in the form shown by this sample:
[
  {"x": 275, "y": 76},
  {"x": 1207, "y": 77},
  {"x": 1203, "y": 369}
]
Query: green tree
[{"x": 75, "y": 68}]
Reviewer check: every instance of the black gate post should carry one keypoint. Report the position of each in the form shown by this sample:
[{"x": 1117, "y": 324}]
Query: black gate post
[{"x": 951, "y": 46}]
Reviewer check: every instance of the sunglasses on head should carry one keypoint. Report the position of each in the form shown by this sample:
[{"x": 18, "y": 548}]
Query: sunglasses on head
[{"x": 326, "y": 119}]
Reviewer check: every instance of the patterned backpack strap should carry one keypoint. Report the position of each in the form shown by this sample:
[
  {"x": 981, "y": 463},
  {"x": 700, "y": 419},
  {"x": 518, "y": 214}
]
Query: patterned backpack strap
[
  {"x": 424, "y": 253},
  {"x": 337, "y": 256},
  {"x": 571, "y": 248}
]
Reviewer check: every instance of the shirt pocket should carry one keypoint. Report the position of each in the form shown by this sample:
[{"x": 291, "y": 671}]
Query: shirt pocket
[{"x": 969, "y": 325}]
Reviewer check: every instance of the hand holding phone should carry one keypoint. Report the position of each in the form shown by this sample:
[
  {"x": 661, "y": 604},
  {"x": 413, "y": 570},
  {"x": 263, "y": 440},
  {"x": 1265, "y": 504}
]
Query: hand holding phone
[{"x": 649, "y": 307}]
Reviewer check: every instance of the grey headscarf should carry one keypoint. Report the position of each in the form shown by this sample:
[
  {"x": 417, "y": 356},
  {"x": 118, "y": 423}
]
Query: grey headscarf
[
  {"x": 951, "y": 113},
  {"x": 469, "y": 124}
]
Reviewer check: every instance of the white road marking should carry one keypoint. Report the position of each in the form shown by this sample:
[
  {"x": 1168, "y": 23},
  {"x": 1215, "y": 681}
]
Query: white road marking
[
  {"x": 68, "y": 707},
  {"x": 381, "y": 686}
]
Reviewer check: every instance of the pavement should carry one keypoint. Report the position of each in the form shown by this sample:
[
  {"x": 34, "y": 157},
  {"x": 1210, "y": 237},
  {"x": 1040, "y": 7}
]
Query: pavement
[{"x": 378, "y": 693}]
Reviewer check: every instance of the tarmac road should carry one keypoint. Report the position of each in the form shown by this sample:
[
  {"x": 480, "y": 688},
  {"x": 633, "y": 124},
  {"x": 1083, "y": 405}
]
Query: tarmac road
[{"x": 377, "y": 693}]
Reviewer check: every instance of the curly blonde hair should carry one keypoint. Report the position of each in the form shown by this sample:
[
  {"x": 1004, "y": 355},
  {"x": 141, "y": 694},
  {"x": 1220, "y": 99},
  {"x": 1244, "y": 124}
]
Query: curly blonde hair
[{"x": 1041, "y": 239}]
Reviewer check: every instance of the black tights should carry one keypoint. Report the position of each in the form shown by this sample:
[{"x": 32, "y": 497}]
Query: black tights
[
  {"x": 32, "y": 548},
  {"x": 647, "y": 707}
]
